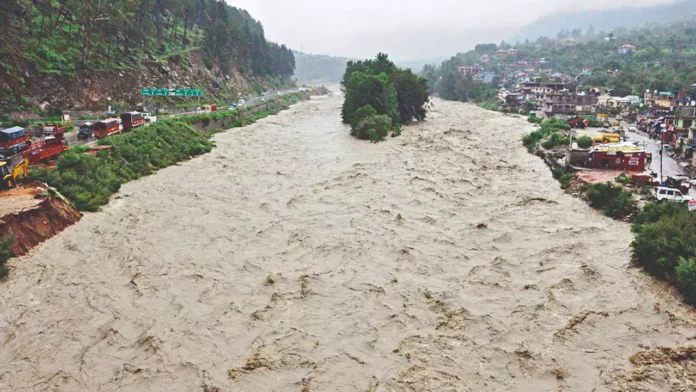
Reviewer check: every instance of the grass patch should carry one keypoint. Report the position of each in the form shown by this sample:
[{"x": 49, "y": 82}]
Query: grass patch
[{"x": 613, "y": 200}]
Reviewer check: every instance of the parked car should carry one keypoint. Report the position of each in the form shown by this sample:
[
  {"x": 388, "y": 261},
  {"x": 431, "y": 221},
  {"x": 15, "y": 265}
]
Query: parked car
[
  {"x": 147, "y": 117},
  {"x": 663, "y": 193},
  {"x": 232, "y": 106},
  {"x": 241, "y": 103},
  {"x": 199, "y": 111},
  {"x": 632, "y": 129}
]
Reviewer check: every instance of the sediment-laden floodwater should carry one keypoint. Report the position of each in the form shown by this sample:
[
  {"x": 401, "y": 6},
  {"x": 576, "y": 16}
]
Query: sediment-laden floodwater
[{"x": 296, "y": 258}]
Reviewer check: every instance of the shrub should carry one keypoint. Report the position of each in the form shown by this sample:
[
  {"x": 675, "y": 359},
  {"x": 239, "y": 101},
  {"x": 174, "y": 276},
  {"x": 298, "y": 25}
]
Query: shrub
[
  {"x": 363, "y": 113},
  {"x": 623, "y": 178},
  {"x": 613, "y": 200},
  {"x": 374, "y": 128},
  {"x": 534, "y": 119},
  {"x": 653, "y": 212},
  {"x": 686, "y": 279},
  {"x": 563, "y": 177},
  {"x": 661, "y": 241},
  {"x": 585, "y": 142},
  {"x": 6, "y": 244}
]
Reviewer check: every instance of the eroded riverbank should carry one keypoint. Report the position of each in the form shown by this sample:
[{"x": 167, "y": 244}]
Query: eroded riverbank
[{"x": 296, "y": 258}]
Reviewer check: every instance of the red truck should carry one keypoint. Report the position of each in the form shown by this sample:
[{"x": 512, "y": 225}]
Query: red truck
[
  {"x": 51, "y": 145},
  {"x": 105, "y": 128},
  {"x": 13, "y": 140},
  {"x": 45, "y": 150},
  {"x": 132, "y": 120},
  {"x": 53, "y": 130}
]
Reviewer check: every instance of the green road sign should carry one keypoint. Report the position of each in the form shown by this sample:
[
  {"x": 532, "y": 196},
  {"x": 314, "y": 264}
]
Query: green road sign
[{"x": 171, "y": 92}]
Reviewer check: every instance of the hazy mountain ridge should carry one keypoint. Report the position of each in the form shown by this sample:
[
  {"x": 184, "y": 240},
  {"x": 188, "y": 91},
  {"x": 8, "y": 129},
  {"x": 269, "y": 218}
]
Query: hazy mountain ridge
[{"x": 607, "y": 20}]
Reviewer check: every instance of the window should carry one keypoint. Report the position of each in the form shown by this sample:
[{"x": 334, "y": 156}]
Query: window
[
  {"x": 662, "y": 192},
  {"x": 670, "y": 193}
]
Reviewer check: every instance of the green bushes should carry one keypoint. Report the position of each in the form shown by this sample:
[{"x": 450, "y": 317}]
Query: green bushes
[
  {"x": 665, "y": 244},
  {"x": 686, "y": 279},
  {"x": 613, "y": 200},
  {"x": 90, "y": 180},
  {"x": 534, "y": 119},
  {"x": 6, "y": 244},
  {"x": 374, "y": 128},
  {"x": 548, "y": 128},
  {"x": 378, "y": 87},
  {"x": 556, "y": 139},
  {"x": 585, "y": 142},
  {"x": 363, "y": 113},
  {"x": 563, "y": 177}
]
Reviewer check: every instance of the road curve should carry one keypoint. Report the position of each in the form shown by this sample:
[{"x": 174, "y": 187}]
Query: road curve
[{"x": 296, "y": 258}]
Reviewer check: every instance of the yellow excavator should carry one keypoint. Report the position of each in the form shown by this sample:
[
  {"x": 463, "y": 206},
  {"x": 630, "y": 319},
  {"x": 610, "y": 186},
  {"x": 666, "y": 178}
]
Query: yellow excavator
[{"x": 10, "y": 172}]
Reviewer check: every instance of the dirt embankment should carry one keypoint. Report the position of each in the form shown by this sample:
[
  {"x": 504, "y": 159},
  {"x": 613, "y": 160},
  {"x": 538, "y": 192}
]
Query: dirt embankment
[
  {"x": 33, "y": 217},
  {"x": 95, "y": 90}
]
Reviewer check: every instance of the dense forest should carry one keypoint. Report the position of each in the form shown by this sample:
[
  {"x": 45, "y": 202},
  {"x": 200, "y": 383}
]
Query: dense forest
[
  {"x": 65, "y": 37},
  {"x": 663, "y": 60}
]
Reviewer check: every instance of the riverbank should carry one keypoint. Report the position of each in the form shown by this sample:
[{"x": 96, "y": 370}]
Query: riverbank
[
  {"x": 89, "y": 178},
  {"x": 295, "y": 256}
]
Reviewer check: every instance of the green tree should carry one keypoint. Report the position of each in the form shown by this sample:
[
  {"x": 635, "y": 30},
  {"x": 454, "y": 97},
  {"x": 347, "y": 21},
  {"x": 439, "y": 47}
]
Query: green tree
[
  {"x": 412, "y": 95},
  {"x": 373, "y": 90}
]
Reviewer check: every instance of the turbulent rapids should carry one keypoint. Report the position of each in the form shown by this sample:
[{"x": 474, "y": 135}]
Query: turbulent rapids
[{"x": 297, "y": 258}]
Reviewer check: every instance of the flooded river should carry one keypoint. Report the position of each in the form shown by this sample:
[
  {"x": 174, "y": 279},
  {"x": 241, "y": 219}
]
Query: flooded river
[{"x": 296, "y": 258}]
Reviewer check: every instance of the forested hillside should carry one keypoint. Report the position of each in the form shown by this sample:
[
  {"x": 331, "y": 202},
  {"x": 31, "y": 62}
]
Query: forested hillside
[
  {"x": 663, "y": 60},
  {"x": 80, "y": 38}
]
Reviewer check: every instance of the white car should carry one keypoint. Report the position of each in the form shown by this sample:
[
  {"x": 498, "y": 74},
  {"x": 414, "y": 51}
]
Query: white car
[
  {"x": 663, "y": 193},
  {"x": 241, "y": 103},
  {"x": 632, "y": 129}
]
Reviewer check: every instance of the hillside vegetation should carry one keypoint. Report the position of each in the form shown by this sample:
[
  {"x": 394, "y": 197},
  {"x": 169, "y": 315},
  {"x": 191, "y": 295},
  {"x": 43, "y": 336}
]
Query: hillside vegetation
[
  {"x": 79, "y": 38},
  {"x": 663, "y": 61}
]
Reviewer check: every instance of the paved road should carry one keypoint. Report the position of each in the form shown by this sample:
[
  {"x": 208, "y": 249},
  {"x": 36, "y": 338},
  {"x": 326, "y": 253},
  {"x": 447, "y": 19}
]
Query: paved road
[
  {"x": 250, "y": 100},
  {"x": 670, "y": 166}
]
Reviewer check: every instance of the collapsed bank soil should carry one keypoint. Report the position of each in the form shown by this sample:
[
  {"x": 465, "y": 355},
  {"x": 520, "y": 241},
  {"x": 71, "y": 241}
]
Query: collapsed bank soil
[{"x": 296, "y": 258}]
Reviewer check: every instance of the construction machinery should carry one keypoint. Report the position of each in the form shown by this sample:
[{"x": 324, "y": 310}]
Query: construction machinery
[{"x": 11, "y": 169}]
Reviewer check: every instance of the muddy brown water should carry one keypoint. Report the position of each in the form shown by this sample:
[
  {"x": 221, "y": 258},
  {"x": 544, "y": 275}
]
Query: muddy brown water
[{"x": 296, "y": 258}]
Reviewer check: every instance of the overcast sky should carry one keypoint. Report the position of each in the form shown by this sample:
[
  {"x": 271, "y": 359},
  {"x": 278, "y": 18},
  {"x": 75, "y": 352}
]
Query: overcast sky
[{"x": 406, "y": 29}]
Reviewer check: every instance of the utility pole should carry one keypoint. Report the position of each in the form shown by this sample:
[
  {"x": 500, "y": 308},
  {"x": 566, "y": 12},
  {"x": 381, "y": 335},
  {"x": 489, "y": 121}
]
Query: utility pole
[{"x": 662, "y": 152}]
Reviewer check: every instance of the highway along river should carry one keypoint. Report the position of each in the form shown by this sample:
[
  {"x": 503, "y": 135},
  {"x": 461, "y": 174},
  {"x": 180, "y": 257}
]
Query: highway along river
[{"x": 297, "y": 258}]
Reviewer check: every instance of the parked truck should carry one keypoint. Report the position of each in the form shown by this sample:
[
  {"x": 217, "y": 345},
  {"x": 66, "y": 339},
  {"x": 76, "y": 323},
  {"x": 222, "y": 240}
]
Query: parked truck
[
  {"x": 53, "y": 129},
  {"x": 13, "y": 141},
  {"x": 104, "y": 128},
  {"x": 132, "y": 120},
  {"x": 85, "y": 131}
]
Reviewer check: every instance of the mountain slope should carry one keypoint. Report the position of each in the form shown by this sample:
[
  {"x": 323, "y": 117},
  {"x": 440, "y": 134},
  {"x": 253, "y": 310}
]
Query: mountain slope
[
  {"x": 607, "y": 20},
  {"x": 58, "y": 44}
]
